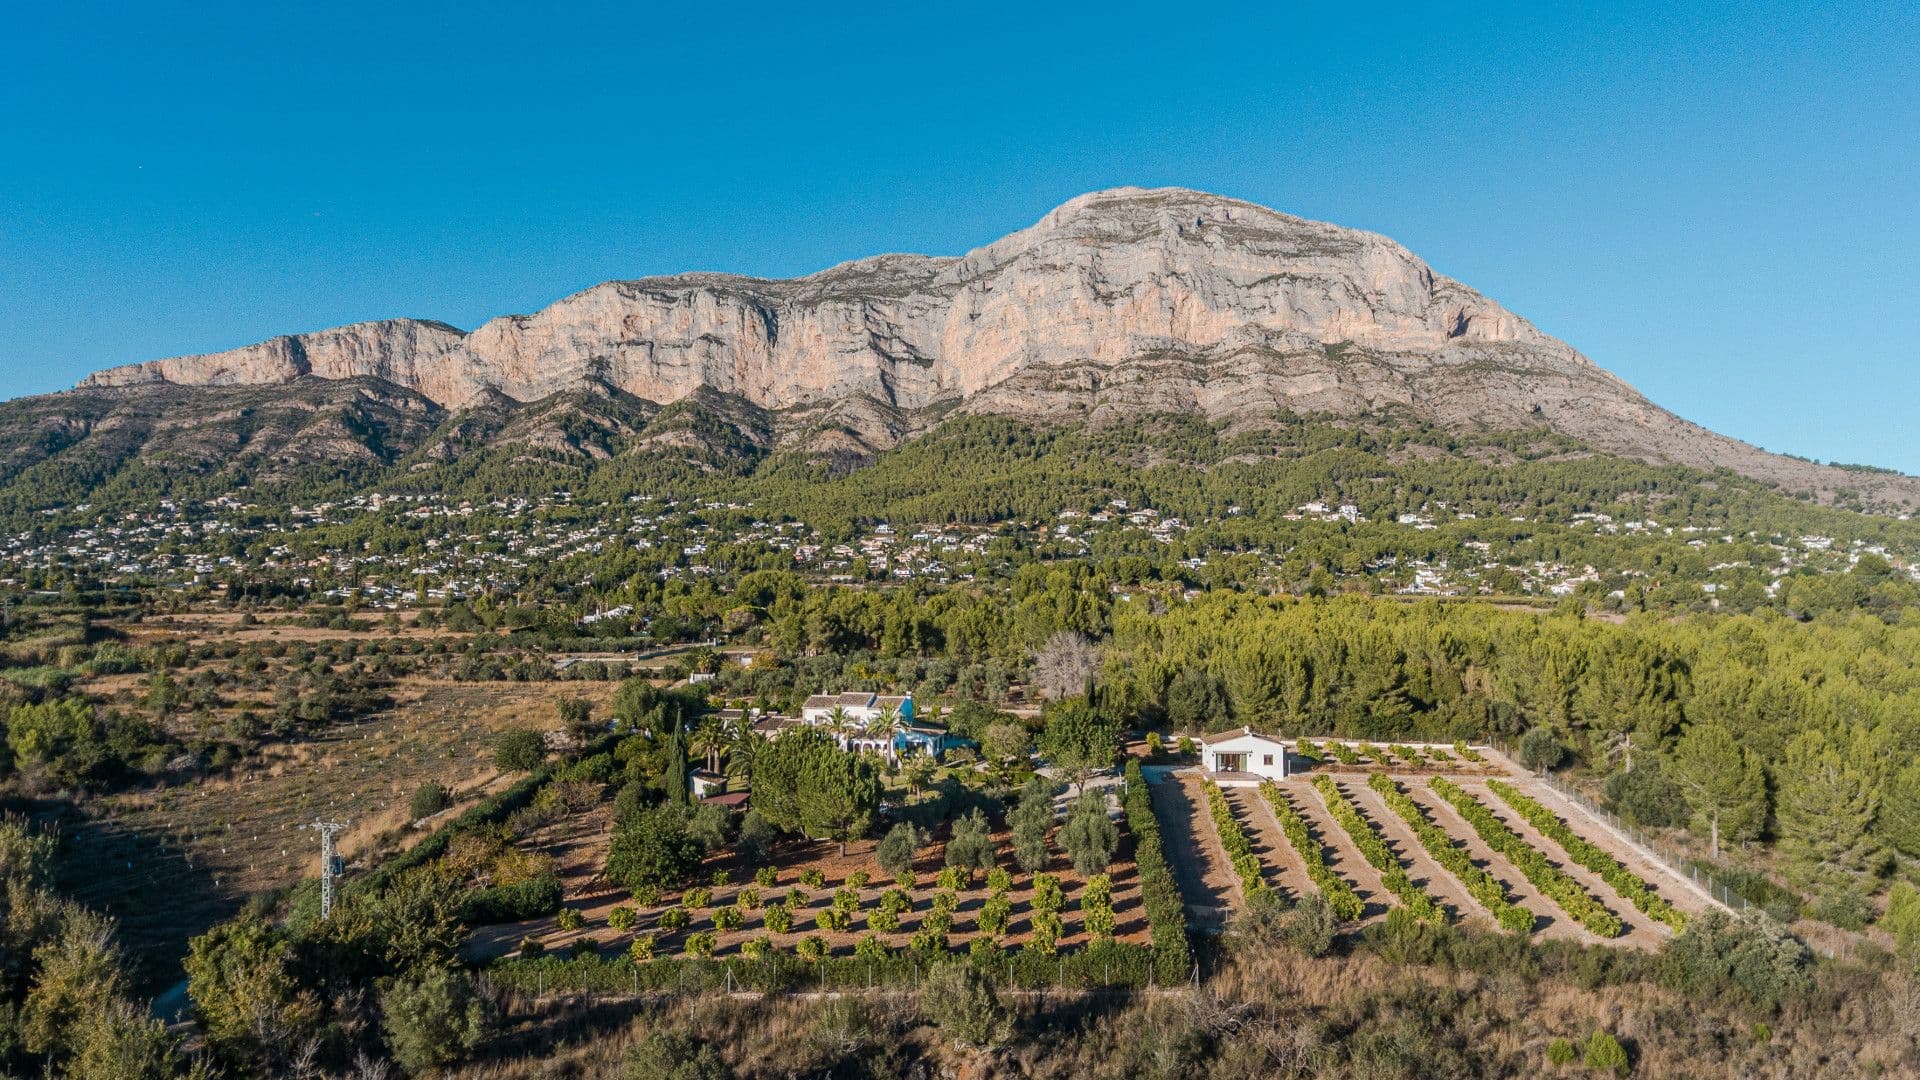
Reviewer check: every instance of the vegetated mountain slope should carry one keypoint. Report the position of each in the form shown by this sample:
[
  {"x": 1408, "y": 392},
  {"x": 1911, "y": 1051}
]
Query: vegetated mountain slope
[{"x": 1117, "y": 304}]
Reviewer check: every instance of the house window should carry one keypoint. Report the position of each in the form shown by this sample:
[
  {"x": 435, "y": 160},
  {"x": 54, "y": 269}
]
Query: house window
[{"x": 1266, "y": 759}]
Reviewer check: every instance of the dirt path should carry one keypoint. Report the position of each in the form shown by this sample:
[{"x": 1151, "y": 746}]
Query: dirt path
[
  {"x": 1342, "y": 856},
  {"x": 1283, "y": 866},
  {"x": 1548, "y": 920},
  {"x": 1639, "y": 929},
  {"x": 1200, "y": 864},
  {"x": 1439, "y": 883}
]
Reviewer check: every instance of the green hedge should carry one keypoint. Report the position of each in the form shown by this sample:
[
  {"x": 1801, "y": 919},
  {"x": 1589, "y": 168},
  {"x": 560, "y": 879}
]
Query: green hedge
[
  {"x": 1590, "y": 855},
  {"x": 1166, "y": 912},
  {"x": 1490, "y": 891},
  {"x": 1100, "y": 965},
  {"x": 1552, "y": 881},
  {"x": 1346, "y": 903},
  {"x": 523, "y": 900}
]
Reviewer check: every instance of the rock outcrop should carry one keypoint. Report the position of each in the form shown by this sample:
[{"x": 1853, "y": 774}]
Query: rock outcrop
[{"x": 1115, "y": 303}]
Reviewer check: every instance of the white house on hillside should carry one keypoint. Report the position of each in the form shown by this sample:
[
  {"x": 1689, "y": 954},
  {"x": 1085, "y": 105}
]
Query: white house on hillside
[
  {"x": 1243, "y": 757},
  {"x": 862, "y": 720}
]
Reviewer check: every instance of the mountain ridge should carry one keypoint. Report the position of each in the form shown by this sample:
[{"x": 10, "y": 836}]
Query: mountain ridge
[{"x": 1115, "y": 303}]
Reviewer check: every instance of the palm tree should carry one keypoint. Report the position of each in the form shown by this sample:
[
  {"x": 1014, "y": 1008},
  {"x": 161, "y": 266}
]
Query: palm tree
[
  {"x": 882, "y": 726},
  {"x": 709, "y": 741},
  {"x": 840, "y": 723},
  {"x": 742, "y": 744}
]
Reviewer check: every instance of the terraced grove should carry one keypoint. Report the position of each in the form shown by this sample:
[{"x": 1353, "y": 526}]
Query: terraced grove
[{"x": 1496, "y": 852}]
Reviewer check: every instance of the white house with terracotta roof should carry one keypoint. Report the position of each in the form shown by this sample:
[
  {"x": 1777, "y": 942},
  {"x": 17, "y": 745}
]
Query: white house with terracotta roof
[{"x": 1243, "y": 757}]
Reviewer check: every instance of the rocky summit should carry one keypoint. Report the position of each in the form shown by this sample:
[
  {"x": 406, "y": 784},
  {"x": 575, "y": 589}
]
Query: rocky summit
[{"x": 1116, "y": 304}]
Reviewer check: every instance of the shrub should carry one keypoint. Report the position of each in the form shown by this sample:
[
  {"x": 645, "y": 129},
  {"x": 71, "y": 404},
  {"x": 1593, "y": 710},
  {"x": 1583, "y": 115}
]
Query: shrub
[
  {"x": 961, "y": 1001},
  {"x": 995, "y": 913},
  {"x": 673, "y": 1055},
  {"x": 642, "y": 948},
  {"x": 767, "y": 877},
  {"x": 812, "y": 948},
  {"x": 647, "y": 896},
  {"x": 621, "y": 918},
  {"x": 999, "y": 880},
  {"x": 700, "y": 943},
  {"x": 728, "y": 918},
  {"x": 757, "y": 948},
  {"x": 858, "y": 879},
  {"x": 696, "y": 899},
  {"x": 928, "y": 942},
  {"x": 653, "y": 847},
  {"x": 1749, "y": 956},
  {"x": 674, "y": 918},
  {"x": 1096, "y": 907},
  {"x": 884, "y": 921},
  {"x": 779, "y": 918},
  {"x": 953, "y": 877},
  {"x": 1561, "y": 1052},
  {"x": 847, "y": 899},
  {"x": 570, "y": 919},
  {"x": 532, "y": 946},
  {"x": 1541, "y": 749},
  {"x": 1046, "y": 932},
  {"x": 429, "y": 800},
  {"x": 721, "y": 878},
  {"x": 1605, "y": 1053},
  {"x": 522, "y": 900},
  {"x": 519, "y": 750},
  {"x": 833, "y": 920},
  {"x": 870, "y": 947},
  {"x": 748, "y": 898},
  {"x": 905, "y": 880},
  {"x": 813, "y": 877}
]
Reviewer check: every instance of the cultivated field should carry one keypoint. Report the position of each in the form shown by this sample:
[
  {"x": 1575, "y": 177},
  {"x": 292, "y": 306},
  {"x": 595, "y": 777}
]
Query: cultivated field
[{"x": 1507, "y": 861}]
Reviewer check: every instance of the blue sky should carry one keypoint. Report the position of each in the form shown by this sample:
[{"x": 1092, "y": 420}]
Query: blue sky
[{"x": 1717, "y": 203}]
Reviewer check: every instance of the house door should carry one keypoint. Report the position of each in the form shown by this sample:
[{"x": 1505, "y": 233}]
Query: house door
[{"x": 1230, "y": 762}]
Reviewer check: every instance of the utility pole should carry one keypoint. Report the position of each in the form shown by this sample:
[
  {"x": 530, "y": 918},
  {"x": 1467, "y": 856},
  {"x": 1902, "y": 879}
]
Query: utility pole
[{"x": 328, "y": 863}]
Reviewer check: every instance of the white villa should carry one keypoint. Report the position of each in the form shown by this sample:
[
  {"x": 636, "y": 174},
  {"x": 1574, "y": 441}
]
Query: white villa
[
  {"x": 1243, "y": 757},
  {"x": 860, "y": 713}
]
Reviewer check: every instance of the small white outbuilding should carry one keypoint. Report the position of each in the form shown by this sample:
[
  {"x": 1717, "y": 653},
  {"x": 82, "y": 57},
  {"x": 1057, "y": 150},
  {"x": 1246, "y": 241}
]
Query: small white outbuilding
[{"x": 1243, "y": 757}]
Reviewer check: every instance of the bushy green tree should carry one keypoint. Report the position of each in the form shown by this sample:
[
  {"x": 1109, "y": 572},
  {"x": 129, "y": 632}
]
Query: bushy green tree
[
  {"x": 1079, "y": 740},
  {"x": 1090, "y": 836},
  {"x": 899, "y": 847},
  {"x": 519, "y": 750},
  {"x": 653, "y": 849},
  {"x": 433, "y": 1016},
  {"x": 970, "y": 846},
  {"x": 1032, "y": 818}
]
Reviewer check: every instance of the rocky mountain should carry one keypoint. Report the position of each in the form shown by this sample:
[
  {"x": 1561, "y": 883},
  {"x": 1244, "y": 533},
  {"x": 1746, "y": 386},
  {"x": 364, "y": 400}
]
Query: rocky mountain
[{"x": 1116, "y": 304}]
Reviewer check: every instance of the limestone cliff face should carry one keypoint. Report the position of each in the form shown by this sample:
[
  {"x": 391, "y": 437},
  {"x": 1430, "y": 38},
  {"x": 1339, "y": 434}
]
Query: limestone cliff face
[
  {"x": 391, "y": 349},
  {"x": 1106, "y": 278},
  {"x": 1117, "y": 302}
]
